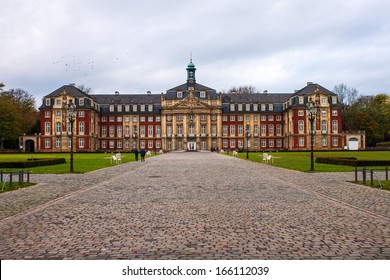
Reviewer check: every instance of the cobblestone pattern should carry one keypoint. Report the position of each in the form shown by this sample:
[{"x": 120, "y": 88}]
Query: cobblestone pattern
[{"x": 197, "y": 206}]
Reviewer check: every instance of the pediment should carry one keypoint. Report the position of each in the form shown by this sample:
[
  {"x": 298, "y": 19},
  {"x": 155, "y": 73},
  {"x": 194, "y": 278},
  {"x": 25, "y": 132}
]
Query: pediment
[{"x": 191, "y": 102}]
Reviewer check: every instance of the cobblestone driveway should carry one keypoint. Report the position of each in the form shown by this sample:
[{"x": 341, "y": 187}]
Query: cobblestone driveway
[{"x": 195, "y": 206}]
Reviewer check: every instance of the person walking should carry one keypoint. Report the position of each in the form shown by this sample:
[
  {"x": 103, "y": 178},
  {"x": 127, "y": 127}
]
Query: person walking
[
  {"x": 143, "y": 152},
  {"x": 136, "y": 154}
]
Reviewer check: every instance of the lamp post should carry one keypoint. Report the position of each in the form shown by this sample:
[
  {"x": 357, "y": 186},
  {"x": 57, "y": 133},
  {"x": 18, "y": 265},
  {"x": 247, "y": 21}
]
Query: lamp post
[
  {"x": 70, "y": 109},
  {"x": 311, "y": 112},
  {"x": 135, "y": 136},
  {"x": 247, "y": 140}
]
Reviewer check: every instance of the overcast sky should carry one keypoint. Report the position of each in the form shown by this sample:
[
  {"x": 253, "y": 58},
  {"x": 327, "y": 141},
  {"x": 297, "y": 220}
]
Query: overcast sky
[{"x": 136, "y": 46}]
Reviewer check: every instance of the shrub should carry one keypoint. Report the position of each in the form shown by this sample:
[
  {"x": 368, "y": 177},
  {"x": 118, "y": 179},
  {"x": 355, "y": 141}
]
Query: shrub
[
  {"x": 32, "y": 163},
  {"x": 351, "y": 161}
]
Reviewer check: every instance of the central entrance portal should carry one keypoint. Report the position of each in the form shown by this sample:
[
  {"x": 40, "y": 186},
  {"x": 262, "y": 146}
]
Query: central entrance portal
[{"x": 191, "y": 146}]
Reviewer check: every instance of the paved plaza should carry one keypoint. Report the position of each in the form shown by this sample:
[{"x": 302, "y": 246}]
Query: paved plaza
[{"x": 195, "y": 206}]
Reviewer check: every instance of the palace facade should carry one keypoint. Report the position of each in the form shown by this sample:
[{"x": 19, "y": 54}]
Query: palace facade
[{"x": 191, "y": 117}]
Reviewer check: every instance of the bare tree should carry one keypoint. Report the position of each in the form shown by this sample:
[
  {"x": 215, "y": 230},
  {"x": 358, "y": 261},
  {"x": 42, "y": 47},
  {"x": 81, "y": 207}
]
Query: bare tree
[
  {"x": 347, "y": 96},
  {"x": 241, "y": 90},
  {"x": 84, "y": 88}
]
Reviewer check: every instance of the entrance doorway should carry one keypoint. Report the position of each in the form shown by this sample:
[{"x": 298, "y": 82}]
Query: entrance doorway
[
  {"x": 191, "y": 146},
  {"x": 29, "y": 146}
]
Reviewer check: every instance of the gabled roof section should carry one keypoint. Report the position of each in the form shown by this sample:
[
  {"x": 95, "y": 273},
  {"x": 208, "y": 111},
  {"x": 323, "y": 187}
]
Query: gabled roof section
[
  {"x": 311, "y": 88},
  {"x": 70, "y": 90},
  {"x": 192, "y": 102},
  {"x": 196, "y": 86}
]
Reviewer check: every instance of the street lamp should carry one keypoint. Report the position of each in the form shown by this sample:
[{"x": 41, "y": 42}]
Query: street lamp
[
  {"x": 135, "y": 137},
  {"x": 247, "y": 140},
  {"x": 311, "y": 112},
  {"x": 70, "y": 109}
]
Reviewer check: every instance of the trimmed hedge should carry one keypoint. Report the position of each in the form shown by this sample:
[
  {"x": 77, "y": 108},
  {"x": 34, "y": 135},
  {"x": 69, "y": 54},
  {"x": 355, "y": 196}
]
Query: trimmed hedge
[
  {"x": 32, "y": 163},
  {"x": 351, "y": 161},
  {"x": 383, "y": 144}
]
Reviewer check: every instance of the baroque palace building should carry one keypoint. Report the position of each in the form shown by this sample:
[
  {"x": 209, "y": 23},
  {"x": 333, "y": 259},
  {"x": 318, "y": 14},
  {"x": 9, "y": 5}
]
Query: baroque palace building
[{"x": 191, "y": 117}]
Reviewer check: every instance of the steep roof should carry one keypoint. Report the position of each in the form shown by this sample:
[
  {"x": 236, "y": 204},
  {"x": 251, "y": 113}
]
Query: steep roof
[
  {"x": 255, "y": 97},
  {"x": 310, "y": 89}
]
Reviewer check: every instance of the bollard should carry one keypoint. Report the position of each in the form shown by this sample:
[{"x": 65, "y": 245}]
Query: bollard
[
  {"x": 28, "y": 176},
  {"x": 387, "y": 173},
  {"x": 356, "y": 174},
  {"x": 364, "y": 175},
  {"x": 372, "y": 177},
  {"x": 10, "y": 179},
  {"x": 1, "y": 175}
]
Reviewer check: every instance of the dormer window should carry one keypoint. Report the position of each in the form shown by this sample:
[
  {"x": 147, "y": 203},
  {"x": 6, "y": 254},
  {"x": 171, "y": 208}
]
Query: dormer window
[
  {"x": 202, "y": 94},
  {"x": 81, "y": 102},
  {"x": 111, "y": 108},
  {"x": 179, "y": 94},
  {"x": 47, "y": 101}
]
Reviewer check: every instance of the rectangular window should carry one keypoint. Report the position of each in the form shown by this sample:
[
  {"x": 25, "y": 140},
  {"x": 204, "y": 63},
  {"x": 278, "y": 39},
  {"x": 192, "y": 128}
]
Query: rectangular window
[
  {"x": 47, "y": 101},
  {"x": 142, "y": 108},
  {"x": 300, "y": 126},
  {"x": 271, "y": 118},
  {"x": 240, "y": 143},
  {"x": 142, "y": 119},
  {"x": 104, "y": 130},
  {"x": 203, "y": 129},
  {"x": 142, "y": 130},
  {"x": 271, "y": 107},
  {"x": 111, "y": 108},
  {"x": 263, "y": 143},
  {"x": 279, "y": 143},
  {"x": 323, "y": 112},
  {"x": 335, "y": 141},
  {"x": 224, "y": 129},
  {"x": 247, "y": 107},
  {"x": 127, "y": 119},
  {"x": 112, "y": 130},
  {"x": 179, "y": 117},
  {"x": 240, "y": 129},
  {"x": 232, "y": 130},
  {"x": 232, "y": 107},
  {"x": 150, "y": 119},
  {"x": 224, "y": 118},
  {"x": 232, "y": 143},
  {"x": 202, "y": 94},
  {"x": 255, "y": 107},
  {"x": 150, "y": 144},
  {"x": 335, "y": 126},
  {"x": 142, "y": 144},
  {"x": 271, "y": 129},
  {"x": 135, "y": 118},
  {"x": 279, "y": 129},
  {"x": 104, "y": 119},
  {"x": 58, "y": 143},
  {"x": 127, "y": 144},
  {"x": 127, "y": 108},
  {"x": 334, "y": 113},
  {"x": 47, "y": 114},
  {"x": 150, "y": 130},
  {"x": 278, "y": 117},
  {"x": 263, "y": 129},
  {"x": 256, "y": 130},
  {"x": 240, "y": 118},
  {"x": 104, "y": 144},
  {"x": 324, "y": 142},
  {"x": 203, "y": 117},
  {"x": 300, "y": 100},
  {"x": 47, "y": 143},
  {"x": 158, "y": 130},
  {"x": 119, "y": 144},
  {"x": 112, "y": 119},
  {"x": 323, "y": 100},
  {"x": 158, "y": 144},
  {"x": 81, "y": 114},
  {"x": 150, "y": 107},
  {"x": 81, "y": 143},
  {"x": 135, "y": 108},
  {"x": 119, "y": 131},
  {"x": 263, "y": 118},
  {"x": 271, "y": 143},
  {"x": 239, "y": 107},
  {"x": 47, "y": 127},
  {"x": 213, "y": 117},
  {"x": 232, "y": 118},
  {"x": 119, "y": 108},
  {"x": 262, "y": 107},
  {"x": 334, "y": 100},
  {"x": 225, "y": 143},
  {"x": 301, "y": 142},
  {"x": 179, "y": 94},
  {"x": 256, "y": 143},
  {"x": 119, "y": 119},
  {"x": 81, "y": 127},
  {"x": 301, "y": 113}
]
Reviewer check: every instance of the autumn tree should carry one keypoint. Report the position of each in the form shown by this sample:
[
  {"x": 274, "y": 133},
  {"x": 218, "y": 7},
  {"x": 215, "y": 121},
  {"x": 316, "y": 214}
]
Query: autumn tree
[{"x": 17, "y": 114}]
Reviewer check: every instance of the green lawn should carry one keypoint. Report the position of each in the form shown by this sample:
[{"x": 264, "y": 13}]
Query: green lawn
[
  {"x": 301, "y": 160},
  {"x": 82, "y": 162}
]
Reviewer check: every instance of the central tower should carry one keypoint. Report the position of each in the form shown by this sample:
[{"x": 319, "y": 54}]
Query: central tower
[{"x": 191, "y": 72}]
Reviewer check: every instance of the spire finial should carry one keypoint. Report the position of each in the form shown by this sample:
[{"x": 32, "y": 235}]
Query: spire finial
[{"x": 191, "y": 56}]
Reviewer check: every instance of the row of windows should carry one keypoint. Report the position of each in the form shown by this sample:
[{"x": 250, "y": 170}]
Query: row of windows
[
  {"x": 135, "y": 119},
  {"x": 119, "y": 130},
  {"x": 179, "y": 117},
  {"x": 335, "y": 125},
  {"x": 255, "y": 107},
  {"x": 263, "y": 118},
  {"x": 240, "y": 129},
  {"x": 324, "y": 142},
  {"x": 263, "y": 143},
  {"x": 301, "y": 113},
  {"x": 126, "y": 108}
]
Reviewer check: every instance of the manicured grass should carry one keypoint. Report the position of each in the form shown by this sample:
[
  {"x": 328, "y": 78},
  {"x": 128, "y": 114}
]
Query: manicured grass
[
  {"x": 385, "y": 184},
  {"x": 82, "y": 162},
  {"x": 15, "y": 186},
  {"x": 301, "y": 160}
]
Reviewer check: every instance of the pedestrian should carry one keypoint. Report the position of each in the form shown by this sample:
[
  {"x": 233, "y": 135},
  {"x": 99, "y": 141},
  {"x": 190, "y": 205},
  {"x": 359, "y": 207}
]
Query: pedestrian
[
  {"x": 143, "y": 152},
  {"x": 136, "y": 154}
]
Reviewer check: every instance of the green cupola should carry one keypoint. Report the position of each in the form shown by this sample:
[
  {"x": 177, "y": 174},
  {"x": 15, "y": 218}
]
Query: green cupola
[{"x": 191, "y": 72}]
